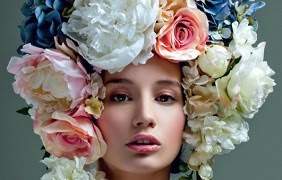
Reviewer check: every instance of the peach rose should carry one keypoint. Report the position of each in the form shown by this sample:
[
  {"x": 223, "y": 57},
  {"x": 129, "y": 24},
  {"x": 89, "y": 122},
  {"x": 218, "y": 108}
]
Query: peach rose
[
  {"x": 71, "y": 134},
  {"x": 168, "y": 10},
  {"x": 184, "y": 37}
]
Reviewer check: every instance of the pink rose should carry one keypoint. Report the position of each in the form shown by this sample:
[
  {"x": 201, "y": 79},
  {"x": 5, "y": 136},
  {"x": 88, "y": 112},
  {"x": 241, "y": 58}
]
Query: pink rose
[
  {"x": 183, "y": 37},
  {"x": 71, "y": 134},
  {"x": 49, "y": 78}
]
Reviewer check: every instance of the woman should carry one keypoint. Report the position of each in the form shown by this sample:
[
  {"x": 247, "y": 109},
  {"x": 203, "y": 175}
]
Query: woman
[
  {"x": 131, "y": 121},
  {"x": 144, "y": 103}
]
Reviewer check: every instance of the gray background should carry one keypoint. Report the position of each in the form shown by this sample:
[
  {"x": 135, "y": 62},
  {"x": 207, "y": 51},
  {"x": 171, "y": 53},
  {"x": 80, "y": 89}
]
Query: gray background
[{"x": 259, "y": 159}]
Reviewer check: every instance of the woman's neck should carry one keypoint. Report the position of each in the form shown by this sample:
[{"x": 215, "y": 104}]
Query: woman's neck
[{"x": 117, "y": 174}]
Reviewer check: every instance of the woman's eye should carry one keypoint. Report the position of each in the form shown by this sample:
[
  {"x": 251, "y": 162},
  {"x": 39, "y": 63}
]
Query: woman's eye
[
  {"x": 166, "y": 99},
  {"x": 119, "y": 98}
]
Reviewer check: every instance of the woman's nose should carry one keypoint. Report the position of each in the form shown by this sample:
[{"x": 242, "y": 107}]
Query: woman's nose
[{"x": 145, "y": 113}]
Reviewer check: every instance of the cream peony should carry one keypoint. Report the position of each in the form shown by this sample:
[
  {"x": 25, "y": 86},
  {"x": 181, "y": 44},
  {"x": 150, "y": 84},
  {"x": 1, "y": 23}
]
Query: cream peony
[
  {"x": 65, "y": 169},
  {"x": 206, "y": 172},
  {"x": 225, "y": 132},
  {"x": 49, "y": 79},
  {"x": 112, "y": 34},
  {"x": 244, "y": 37},
  {"x": 217, "y": 135},
  {"x": 198, "y": 158},
  {"x": 248, "y": 84},
  {"x": 215, "y": 61}
]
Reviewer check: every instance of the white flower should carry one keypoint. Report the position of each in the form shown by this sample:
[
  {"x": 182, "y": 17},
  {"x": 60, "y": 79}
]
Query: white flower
[
  {"x": 225, "y": 132},
  {"x": 112, "y": 34},
  {"x": 243, "y": 33},
  {"x": 244, "y": 37},
  {"x": 197, "y": 158},
  {"x": 94, "y": 169},
  {"x": 218, "y": 135},
  {"x": 65, "y": 169},
  {"x": 215, "y": 61},
  {"x": 192, "y": 139},
  {"x": 206, "y": 172},
  {"x": 248, "y": 84}
]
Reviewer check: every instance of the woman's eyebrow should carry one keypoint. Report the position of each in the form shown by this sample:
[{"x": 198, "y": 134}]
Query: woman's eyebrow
[
  {"x": 127, "y": 81},
  {"x": 119, "y": 80},
  {"x": 168, "y": 82}
]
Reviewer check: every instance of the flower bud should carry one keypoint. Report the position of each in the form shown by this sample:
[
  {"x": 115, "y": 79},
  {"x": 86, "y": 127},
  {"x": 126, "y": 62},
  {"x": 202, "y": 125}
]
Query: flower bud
[{"x": 215, "y": 61}]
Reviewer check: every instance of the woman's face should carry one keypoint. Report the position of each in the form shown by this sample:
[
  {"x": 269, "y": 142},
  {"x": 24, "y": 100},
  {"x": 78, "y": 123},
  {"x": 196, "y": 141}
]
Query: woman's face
[{"x": 147, "y": 100}]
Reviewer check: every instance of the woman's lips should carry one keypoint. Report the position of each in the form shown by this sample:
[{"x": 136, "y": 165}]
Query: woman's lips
[
  {"x": 144, "y": 143},
  {"x": 144, "y": 148}
]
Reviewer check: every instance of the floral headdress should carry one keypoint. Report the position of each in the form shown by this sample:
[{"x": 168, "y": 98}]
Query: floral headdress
[{"x": 67, "y": 43}]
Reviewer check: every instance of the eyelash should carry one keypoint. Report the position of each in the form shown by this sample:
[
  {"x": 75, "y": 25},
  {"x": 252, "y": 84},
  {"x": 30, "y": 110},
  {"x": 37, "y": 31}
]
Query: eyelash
[
  {"x": 122, "y": 98},
  {"x": 113, "y": 98},
  {"x": 171, "y": 98}
]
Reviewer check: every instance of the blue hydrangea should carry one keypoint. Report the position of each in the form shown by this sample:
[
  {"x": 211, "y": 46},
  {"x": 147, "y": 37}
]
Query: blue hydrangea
[
  {"x": 247, "y": 9},
  {"x": 217, "y": 12},
  {"x": 43, "y": 21},
  {"x": 221, "y": 13},
  {"x": 59, "y": 5}
]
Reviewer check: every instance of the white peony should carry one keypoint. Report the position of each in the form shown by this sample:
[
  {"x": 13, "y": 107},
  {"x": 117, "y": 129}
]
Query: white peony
[
  {"x": 244, "y": 37},
  {"x": 206, "y": 172},
  {"x": 65, "y": 169},
  {"x": 198, "y": 158},
  {"x": 248, "y": 84},
  {"x": 112, "y": 34},
  {"x": 225, "y": 132},
  {"x": 192, "y": 138},
  {"x": 219, "y": 135},
  {"x": 215, "y": 61}
]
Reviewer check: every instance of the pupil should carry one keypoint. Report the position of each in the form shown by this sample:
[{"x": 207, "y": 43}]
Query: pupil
[
  {"x": 120, "y": 97},
  {"x": 163, "y": 98}
]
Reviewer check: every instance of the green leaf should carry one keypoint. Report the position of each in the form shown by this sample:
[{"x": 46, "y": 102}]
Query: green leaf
[
  {"x": 189, "y": 177},
  {"x": 67, "y": 12},
  {"x": 231, "y": 65},
  {"x": 24, "y": 111},
  {"x": 46, "y": 154},
  {"x": 198, "y": 176},
  {"x": 183, "y": 168},
  {"x": 189, "y": 172},
  {"x": 183, "y": 178}
]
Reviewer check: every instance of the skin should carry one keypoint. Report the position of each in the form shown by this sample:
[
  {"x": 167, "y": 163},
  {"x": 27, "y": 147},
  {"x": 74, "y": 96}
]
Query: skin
[{"x": 142, "y": 99}]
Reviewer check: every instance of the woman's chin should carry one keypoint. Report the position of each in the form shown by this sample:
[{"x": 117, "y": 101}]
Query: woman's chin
[{"x": 145, "y": 164}]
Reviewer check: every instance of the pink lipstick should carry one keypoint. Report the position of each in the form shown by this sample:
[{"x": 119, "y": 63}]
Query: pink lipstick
[{"x": 142, "y": 143}]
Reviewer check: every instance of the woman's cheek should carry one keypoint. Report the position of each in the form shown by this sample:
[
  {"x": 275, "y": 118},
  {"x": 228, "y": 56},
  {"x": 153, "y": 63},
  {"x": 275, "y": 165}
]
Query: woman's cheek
[{"x": 175, "y": 125}]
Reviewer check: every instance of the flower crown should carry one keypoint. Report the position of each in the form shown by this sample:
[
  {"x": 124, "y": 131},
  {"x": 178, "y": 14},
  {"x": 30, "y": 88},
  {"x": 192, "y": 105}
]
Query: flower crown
[{"x": 68, "y": 42}]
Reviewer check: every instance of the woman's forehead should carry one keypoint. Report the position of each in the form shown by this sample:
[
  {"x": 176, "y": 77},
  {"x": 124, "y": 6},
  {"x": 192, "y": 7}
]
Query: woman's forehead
[{"x": 156, "y": 69}]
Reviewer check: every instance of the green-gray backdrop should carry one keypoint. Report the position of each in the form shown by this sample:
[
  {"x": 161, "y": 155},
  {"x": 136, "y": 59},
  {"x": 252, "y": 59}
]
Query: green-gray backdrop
[{"x": 259, "y": 159}]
